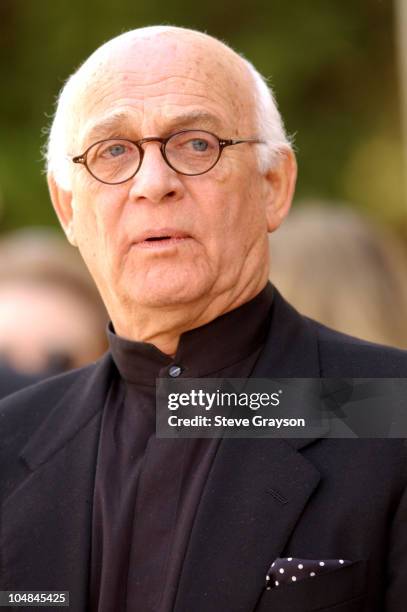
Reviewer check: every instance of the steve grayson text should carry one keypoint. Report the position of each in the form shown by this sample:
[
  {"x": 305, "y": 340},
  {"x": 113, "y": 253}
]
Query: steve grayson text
[{"x": 222, "y": 421}]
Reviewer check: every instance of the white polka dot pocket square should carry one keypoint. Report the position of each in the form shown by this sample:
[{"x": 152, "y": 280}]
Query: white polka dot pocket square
[{"x": 288, "y": 570}]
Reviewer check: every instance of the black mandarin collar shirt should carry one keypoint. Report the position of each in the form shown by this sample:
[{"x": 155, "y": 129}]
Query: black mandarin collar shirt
[{"x": 147, "y": 489}]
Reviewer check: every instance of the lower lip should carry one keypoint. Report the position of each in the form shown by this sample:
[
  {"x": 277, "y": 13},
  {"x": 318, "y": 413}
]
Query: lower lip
[{"x": 160, "y": 245}]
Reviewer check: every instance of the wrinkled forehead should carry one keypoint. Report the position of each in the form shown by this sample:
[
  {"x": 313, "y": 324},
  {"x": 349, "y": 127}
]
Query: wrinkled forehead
[{"x": 165, "y": 75}]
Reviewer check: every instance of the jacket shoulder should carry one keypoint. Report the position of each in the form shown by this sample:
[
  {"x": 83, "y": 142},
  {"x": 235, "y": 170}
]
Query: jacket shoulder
[
  {"x": 55, "y": 408},
  {"x": 23, "y": 410},
  {"x": 343, "y": 355}
]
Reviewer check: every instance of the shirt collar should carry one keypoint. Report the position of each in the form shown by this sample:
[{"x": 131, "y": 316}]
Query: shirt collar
[{"x": 202, "y": 351}]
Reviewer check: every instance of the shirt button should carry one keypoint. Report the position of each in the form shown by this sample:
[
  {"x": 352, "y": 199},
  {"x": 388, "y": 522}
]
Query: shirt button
[{"x": 174, "y": 371}]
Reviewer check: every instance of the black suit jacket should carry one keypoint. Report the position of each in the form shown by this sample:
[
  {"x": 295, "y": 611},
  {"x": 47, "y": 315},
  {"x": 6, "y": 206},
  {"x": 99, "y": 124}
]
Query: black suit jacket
[
  {"x": 315, "y": 499},
  {"x": 11, "y": 380}
]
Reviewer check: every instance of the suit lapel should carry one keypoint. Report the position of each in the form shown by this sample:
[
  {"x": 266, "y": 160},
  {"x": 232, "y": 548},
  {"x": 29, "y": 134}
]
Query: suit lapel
[
  {"x": 255, "y": 493},
  {"x": 47, "y": 518}
]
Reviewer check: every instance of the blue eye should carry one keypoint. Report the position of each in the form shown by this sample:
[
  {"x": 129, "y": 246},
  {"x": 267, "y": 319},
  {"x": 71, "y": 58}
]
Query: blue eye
[
  {"x": 116, "y": 150},
  {"x": 199, "y": 145}
]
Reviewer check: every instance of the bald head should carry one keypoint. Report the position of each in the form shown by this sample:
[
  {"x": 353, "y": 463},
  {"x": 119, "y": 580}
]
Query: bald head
[{"x": 192, "y": 62}]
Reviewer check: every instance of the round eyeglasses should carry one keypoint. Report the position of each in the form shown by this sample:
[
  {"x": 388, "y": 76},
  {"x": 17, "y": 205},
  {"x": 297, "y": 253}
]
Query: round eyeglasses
[{"x": 190, "y": 152}]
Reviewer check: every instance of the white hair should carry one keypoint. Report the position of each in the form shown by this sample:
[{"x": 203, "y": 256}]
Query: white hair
[
  {"x": 61, "y": 135},
  {"x": 269, "y": 122}
]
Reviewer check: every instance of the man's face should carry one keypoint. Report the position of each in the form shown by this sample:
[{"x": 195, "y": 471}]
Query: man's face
[{"x": 216, "y": 222}]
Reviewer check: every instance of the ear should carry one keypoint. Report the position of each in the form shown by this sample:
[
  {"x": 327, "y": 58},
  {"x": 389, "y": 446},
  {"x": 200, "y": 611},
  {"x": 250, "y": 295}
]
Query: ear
[
  {"x": 280, "y": 186},
  {"x": 62, "y": 202}
]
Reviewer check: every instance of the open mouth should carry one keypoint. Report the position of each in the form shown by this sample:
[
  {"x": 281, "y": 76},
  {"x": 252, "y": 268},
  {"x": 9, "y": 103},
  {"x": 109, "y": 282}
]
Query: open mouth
[{"x": 162, "y": 239}]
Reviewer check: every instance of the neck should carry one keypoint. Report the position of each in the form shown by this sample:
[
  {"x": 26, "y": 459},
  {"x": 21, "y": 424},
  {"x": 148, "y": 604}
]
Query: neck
[{"x": 163, "y": 326}]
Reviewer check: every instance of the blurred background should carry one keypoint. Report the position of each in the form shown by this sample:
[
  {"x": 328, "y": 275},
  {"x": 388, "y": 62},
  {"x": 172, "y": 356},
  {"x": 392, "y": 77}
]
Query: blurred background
[{"x": 337, "y": 68}]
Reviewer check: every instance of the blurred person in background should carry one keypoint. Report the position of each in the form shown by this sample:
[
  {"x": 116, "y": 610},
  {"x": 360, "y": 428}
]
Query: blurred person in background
[
  {"x": 51, "y": 316},
  {"x": 337, "y": 267}
]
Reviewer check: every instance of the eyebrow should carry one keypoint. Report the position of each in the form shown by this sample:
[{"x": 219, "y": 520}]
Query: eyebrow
[
  {"x": 119, "y": 123},
  {"x": 106, "y": 126},
  {"x": 203, "y": 118}
]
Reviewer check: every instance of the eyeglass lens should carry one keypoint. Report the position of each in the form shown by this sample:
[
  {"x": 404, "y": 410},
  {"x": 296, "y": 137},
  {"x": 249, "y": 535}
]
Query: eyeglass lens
[{"x": 189, "y": 152}]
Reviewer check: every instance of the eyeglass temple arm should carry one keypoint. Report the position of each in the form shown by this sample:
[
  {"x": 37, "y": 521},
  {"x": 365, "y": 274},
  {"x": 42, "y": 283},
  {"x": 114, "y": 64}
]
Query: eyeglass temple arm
[{"x": 228, "y": 143}]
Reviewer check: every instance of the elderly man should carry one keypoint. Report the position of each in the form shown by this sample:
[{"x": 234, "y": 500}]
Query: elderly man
[{"x": 168, "y": 165}]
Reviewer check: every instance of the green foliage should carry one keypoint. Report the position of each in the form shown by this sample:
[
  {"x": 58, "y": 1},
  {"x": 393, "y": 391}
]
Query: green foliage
[{"x": 332, "y": 64}]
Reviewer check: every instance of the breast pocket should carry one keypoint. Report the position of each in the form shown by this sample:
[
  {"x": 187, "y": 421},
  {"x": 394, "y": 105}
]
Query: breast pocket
[{"x": 341, "y": 590}]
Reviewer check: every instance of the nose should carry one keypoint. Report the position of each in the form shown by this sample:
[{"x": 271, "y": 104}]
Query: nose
[{"x": 155, "y": 181}]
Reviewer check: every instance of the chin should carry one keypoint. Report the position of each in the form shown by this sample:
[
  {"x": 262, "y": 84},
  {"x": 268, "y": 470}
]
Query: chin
[{"x": 169, "y": 290}]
